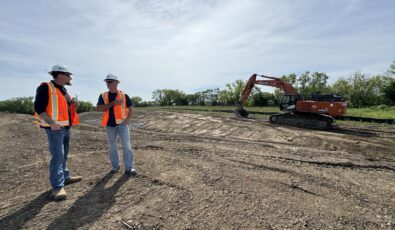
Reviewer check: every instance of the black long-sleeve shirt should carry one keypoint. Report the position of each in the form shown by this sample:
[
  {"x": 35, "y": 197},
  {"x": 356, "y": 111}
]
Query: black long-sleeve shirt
[{"x": 42, "y": 98}]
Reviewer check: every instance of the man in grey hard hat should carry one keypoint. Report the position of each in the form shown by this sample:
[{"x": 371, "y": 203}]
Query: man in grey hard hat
[
  {"x": 55, "y": 112},
  {"x": 117, "y": 111}
]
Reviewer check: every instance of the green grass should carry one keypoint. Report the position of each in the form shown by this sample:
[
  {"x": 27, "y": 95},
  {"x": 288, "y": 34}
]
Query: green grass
[
  {"x": 209, "y": 108},
  {"x": 363, "y": 124},
  {"x": 382, "y": 112}
]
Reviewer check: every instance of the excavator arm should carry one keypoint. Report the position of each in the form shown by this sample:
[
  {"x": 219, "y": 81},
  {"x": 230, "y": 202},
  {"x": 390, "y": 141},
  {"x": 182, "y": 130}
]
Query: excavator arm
[{"x": 274, "y": 82}]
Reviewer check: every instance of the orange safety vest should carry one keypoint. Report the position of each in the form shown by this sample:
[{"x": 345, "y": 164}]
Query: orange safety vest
[
  {"x": 120, "y": 111},
  {"x": 57, "y": 109}
]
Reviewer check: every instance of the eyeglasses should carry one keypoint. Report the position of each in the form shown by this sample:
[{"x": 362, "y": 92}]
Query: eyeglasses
[
  {"x": 67, "y": 74},
  {"x": 110, "y": 81}
]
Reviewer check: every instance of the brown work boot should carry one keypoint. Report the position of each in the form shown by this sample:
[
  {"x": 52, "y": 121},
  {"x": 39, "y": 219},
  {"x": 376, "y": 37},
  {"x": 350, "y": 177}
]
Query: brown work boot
[
  {"x": 58, "y": 194},
  {"x": 72, "y": 179}
]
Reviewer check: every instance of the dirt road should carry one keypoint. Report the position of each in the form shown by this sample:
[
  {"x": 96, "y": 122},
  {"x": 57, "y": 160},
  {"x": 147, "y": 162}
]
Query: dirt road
[{"x": 203, "y": 172}]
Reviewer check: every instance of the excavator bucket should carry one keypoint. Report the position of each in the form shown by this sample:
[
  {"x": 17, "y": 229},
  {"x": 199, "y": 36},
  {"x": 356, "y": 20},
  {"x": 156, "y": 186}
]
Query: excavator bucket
[{"x": 240, "y": 111}]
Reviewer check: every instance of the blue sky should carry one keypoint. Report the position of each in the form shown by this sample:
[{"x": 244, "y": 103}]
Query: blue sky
[{"x": 191, "y": 45}]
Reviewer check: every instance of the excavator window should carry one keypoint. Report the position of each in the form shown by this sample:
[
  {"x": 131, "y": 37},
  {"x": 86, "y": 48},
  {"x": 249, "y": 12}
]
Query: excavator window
[{"x": 288, "y": 102}]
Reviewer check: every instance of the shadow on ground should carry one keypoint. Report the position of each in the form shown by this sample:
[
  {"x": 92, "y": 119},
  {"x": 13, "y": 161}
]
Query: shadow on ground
[
  {"x": 354, "y": 132},
  {"x": 28, "y": 212},
  {"x": 87, "y": 209}
]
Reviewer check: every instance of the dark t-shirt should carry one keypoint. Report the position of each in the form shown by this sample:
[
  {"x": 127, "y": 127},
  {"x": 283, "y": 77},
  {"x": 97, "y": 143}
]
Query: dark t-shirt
[
  {"x": 41, "y": 100},
  {"x": 111, "y": 96}
]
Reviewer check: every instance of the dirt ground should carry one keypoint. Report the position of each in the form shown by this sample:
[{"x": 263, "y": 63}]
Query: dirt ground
[{"x": 202, "y": 171}]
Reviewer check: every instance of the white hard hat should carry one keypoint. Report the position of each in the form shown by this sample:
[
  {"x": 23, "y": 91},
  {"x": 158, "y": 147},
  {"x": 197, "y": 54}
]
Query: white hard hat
[
  {"x": 59, "y": 68},
  {"x": 111, "y": 77}
]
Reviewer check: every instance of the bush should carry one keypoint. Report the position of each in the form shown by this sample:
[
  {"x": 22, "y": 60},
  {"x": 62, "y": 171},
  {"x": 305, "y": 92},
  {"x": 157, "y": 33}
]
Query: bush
[
  {"x": 23, "y": 105},
  {"x": 84, "y": 106}
]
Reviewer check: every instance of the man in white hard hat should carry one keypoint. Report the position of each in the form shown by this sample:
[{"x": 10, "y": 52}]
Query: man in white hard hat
[
  {"x": 118, "y": 111},
  {"x": 55, "y": 112}
]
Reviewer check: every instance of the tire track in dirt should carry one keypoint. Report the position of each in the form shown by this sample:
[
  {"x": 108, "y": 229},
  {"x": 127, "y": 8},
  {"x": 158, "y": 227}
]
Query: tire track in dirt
[{"x": 202, "y": 172}]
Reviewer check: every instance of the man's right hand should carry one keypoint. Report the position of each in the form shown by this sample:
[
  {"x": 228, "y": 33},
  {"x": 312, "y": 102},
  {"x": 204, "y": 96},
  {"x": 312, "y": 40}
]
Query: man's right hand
[
  {"x": 55, "y": 127},
  {"x": 117, "y": 102}
]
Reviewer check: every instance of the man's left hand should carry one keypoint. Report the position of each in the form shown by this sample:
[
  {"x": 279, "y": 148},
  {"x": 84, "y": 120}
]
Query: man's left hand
[{"x": 125, "y": 122}]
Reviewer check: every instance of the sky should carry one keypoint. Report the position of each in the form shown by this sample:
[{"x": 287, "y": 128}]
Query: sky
[{"x": 190, "y": 45}]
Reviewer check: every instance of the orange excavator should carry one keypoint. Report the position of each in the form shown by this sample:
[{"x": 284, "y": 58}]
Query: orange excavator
[{"x": 318, "y": 112}]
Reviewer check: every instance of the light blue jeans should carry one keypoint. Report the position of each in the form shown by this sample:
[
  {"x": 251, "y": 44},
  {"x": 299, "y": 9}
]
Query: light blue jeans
[
  {"x": 124, "y": 134},
  {"x": 58, "y": 143}
]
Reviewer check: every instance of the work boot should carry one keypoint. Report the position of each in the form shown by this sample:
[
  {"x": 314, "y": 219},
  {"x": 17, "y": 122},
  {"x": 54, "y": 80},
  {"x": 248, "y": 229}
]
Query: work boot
[
  {"x": 114, "y": 170},
  {"x": 72, "y": 179},
  {"x": 58, "y": 194},
  {"x": 131, "y": 172}
]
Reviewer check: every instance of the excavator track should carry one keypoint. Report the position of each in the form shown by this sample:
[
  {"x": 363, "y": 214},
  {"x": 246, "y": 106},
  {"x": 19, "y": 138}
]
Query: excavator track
[{"x": 303, "y": 120}]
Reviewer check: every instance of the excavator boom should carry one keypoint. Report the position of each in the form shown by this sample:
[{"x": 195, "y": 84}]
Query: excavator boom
[{"x": 274, "y": 82}]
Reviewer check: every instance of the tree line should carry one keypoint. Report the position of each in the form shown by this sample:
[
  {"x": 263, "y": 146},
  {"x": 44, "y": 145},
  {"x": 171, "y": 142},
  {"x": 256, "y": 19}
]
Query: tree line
[
  {"x": 358, "y": 89},
  {"x": 25, "y": 105}
]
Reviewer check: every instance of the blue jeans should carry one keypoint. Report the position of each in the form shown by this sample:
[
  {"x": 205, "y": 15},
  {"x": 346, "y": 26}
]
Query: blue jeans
[
  {"x": 58, "y": 143},
  {"x": 124, "y": 133}
]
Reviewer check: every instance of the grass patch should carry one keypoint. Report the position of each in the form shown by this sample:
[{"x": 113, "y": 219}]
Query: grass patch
[
  {"x": 380, "y": 112},
  {"x": 363, "y": 124},
  {"x": 209, "y": 108}
]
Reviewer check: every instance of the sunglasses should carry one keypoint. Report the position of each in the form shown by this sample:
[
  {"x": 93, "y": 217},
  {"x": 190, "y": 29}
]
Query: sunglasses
[
  {"x": 110, "y": 81},
  {"x": 67, "y": 74}
]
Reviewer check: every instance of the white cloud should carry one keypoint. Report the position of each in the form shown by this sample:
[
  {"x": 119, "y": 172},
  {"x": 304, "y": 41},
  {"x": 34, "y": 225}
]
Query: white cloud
[{"x": 188, "y": 44}]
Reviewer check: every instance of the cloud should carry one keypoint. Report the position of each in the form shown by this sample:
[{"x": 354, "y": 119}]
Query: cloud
[{"x": 189, "y": 45}]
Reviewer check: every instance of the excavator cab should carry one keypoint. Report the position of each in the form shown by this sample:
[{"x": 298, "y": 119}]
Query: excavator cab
[{"x": 288, "y": 102}]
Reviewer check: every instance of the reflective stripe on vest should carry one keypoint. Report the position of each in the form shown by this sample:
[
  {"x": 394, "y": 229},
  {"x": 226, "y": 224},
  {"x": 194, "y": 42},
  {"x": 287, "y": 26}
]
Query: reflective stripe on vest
[
  {"x": 55, "y": 100},
  {"x": 120, "y": 111}
]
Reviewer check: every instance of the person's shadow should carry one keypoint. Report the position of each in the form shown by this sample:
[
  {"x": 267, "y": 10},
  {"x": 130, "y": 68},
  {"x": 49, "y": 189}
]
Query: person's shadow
[
  {"x": 28, "y": 212},
  {"x": 87, "y": 209}
]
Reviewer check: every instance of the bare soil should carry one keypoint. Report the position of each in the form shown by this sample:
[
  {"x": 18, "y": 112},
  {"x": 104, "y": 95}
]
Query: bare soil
[{"x": 200, "y": 171}]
